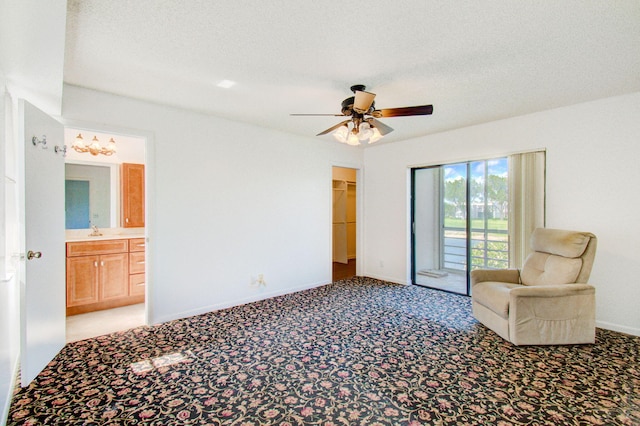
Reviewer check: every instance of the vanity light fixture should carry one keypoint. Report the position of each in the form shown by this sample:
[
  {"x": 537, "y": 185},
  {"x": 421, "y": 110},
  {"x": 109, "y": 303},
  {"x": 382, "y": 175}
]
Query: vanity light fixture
[{"x": 94, "y": 148}]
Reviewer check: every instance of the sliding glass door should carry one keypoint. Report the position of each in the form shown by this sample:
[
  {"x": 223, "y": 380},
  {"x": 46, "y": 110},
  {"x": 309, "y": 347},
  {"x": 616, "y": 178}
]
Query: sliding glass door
[{"x": 460, "y": 222}]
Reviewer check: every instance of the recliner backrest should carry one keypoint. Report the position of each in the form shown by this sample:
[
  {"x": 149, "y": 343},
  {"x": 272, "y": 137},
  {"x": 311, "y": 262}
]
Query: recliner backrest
[{"x": 559, "y": 257}]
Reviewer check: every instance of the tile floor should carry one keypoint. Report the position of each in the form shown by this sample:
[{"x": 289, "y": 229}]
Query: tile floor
[
  {"x": 92, "y": 324},
  {"x": 454, "y": 282}
]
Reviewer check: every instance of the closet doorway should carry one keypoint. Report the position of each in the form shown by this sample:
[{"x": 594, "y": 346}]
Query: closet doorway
[{"x": 344, "y": 185}]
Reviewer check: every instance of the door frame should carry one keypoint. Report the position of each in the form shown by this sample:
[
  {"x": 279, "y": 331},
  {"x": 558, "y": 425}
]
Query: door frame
[
  {"x": 149, "y": 161},
  {"x": 412, "y": 226},
  {"x": 359, "y": 215},
  {"x": 468, "y": 166}
]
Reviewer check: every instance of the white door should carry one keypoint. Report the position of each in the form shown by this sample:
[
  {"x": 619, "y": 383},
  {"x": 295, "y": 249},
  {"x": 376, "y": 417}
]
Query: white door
[{"x": 42, "y": 298}]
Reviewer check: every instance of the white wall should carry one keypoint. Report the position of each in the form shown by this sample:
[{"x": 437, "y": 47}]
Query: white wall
[
  {"x": 32, "y": 38},
  {"x": 592, "y": 179},
  {"x": 228, "y": 201}
]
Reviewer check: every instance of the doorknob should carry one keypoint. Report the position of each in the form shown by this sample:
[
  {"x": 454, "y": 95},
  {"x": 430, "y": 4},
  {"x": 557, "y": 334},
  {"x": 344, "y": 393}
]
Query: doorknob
[{"x": 33, "y": 255}]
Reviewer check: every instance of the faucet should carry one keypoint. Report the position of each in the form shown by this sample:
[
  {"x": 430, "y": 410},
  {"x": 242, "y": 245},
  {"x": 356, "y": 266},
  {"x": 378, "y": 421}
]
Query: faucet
[{"x": 96, "y": 232}]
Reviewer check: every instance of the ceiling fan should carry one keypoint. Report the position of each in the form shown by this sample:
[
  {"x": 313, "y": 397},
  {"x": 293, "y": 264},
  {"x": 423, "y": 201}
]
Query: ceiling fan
[{"x": 363, "y": 126}]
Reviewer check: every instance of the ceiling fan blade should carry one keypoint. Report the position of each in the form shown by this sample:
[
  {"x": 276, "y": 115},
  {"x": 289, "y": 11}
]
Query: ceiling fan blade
[
  {"x": 405, "y": 111},
  {"x": 331, "y": 129},
  {"x": 309, "y": 115},
  {"x": 382, "y": 128},
  {"x": 363, "y": 101}
]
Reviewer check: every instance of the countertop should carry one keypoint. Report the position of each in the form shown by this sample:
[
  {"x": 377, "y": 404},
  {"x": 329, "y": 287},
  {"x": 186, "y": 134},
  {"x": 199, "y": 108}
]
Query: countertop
[
  {"x": 79, "y": 235},
  {"x": 104, "y": 237}
]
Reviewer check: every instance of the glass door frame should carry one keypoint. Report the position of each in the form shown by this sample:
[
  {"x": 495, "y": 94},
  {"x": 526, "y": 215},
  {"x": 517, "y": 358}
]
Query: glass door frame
[
  {"x": 466, "y": 167},
  {"x": 441, "y": 230}
]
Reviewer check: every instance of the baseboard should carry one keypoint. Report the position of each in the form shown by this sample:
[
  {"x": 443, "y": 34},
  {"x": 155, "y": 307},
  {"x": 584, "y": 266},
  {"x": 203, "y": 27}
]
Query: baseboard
[
  {"x": 619, "y": 328},
  {"x": 237, "y": 302}
]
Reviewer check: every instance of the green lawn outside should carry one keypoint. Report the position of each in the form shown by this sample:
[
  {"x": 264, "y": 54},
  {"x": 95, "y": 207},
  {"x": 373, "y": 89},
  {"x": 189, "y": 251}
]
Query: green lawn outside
[{"x": 493, "y": 224}]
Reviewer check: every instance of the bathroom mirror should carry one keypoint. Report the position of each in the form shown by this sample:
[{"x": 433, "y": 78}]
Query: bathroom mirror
[{"x": 91, "y": 195}]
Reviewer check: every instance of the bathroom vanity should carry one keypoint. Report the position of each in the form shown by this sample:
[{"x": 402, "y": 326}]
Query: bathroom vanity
[
  {"x": 105, "y": 272},
  {"x": 106, "y": 266}
]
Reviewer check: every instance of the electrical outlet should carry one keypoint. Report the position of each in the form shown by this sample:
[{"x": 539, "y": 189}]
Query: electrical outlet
[{"x": 382, "y": 263}]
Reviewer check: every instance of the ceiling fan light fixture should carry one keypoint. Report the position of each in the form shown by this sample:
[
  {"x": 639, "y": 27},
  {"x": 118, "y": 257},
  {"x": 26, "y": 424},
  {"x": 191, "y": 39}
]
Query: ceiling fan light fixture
[
  {"x": 362, "y": 101},
  {"x": 353, "y": 139},
  {"x": 342, "y": 134},
  {"x": 365, "y": 131},
  {"x": 362, "y": 125},
  {"x": 375, "y": 135}
]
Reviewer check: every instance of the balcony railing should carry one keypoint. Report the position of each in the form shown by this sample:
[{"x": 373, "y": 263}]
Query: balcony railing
[{"x": 489, "y": 249}]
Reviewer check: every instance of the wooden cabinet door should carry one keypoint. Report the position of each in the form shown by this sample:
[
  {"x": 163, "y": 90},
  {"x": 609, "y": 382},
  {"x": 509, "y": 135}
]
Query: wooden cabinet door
[
  {"x": 114, "y": 276},
  {"x": 82, "y": 280},
  {"x": 132, "y": 195}
]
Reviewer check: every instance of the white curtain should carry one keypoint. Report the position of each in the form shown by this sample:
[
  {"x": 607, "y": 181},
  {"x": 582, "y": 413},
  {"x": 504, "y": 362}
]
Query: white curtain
[{"x": 526, "y": 202}]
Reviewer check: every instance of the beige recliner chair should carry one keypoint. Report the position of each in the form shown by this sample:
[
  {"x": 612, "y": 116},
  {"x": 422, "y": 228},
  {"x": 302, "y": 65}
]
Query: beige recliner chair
[{"x": 548, "y": 302}]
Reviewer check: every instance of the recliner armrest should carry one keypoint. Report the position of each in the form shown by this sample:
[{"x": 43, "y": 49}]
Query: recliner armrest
[
  {"x": 557, "y": 290},
  {"x": 552, "y": 314},
  {"x": 501, "y": 275}
]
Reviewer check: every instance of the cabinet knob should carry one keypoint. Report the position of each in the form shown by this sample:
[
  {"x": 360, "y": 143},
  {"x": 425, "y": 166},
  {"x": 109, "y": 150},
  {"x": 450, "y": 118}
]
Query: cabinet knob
[{"x": 95, "y": 263}]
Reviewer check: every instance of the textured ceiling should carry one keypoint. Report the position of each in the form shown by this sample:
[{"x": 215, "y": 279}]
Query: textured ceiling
[{"x": 475, "y": 61}]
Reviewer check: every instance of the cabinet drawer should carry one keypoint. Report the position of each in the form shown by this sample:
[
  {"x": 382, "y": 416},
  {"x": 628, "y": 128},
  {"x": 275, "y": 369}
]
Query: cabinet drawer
[
  {"x": 136, "y": 244},
  {"x": 136, "y": 284},
  {"x": 84, "y": 248},
  {"x": 136, "y": 262}
]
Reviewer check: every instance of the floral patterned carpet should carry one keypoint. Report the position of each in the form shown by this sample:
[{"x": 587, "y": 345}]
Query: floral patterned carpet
[{"x": 356, "y": 352}]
